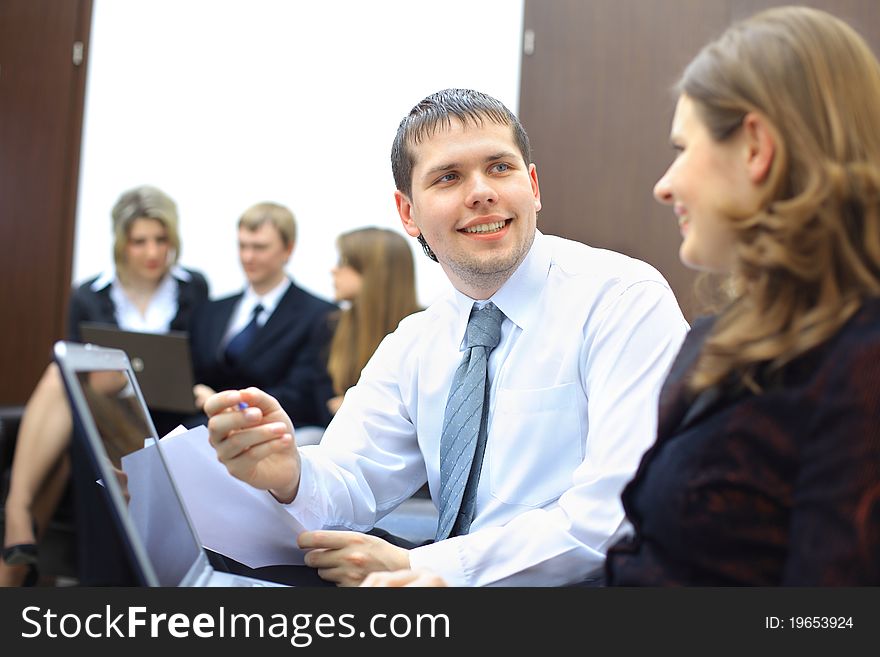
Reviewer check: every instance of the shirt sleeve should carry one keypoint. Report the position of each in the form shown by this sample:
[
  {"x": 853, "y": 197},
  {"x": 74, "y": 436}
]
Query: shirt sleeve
[
  {"x": 627, "y": 351},
  {"x": 368, "y": 461}
]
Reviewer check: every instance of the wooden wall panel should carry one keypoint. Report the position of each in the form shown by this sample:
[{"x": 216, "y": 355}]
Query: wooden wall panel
[
  {"x": 41, "y": 104},
  {"x": 595, "y": 99}
]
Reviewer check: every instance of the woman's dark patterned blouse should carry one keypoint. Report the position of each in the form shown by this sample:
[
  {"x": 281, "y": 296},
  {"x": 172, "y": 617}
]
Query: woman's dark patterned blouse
[{"x": 779, "y": 488}]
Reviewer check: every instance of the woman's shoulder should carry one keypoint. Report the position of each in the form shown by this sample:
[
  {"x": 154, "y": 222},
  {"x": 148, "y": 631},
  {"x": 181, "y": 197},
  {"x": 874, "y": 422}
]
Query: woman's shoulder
[
  {"x": 833, "y": 386},
  {"x": 191, "y": 279},
  {"x": 92, "y": 287},
  {"x": 866, "y": 322},
  {"x": 857, "y": 341},
  {"x": 187, "y": 275}
]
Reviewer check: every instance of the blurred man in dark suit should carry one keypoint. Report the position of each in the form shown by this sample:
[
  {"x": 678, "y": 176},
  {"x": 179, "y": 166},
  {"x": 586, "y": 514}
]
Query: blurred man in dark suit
[{"x": 273, "y": 335}]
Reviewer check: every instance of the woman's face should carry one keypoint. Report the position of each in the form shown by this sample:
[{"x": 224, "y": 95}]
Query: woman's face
[
  {"x": 146, "y": 249},
  {"x": 347, "y": 282},
  {"x": 706, "y": 185}
]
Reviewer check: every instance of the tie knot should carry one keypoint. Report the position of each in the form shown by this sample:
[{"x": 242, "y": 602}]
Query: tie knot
[
  {"x": 256, "y": 311},
  {"x": 484, "y": 327}
]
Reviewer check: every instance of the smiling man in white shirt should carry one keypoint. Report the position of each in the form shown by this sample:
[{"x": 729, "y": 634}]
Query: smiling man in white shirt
[{"x": 585, "y": 343}]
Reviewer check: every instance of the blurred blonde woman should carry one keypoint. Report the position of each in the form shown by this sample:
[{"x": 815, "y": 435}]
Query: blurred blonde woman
[
  {"x": 145, "y": 291},
  {"x": 375, "y": 276}
]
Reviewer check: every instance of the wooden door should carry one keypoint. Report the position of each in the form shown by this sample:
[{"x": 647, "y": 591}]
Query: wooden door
[
  {"x": 43, "y": 44},
  {"x": 595, "y": 99}
]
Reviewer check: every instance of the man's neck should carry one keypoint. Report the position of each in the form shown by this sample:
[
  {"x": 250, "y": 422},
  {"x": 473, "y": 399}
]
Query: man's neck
[
  {"x": 478, "y": 286},
  {"x": 265, "y": 287},
  {"x": 477, "y": 294}
]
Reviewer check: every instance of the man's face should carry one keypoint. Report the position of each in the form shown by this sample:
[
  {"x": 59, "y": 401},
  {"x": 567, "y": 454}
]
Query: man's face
[
  {"x": 263, "y": 256},
  {"x": 475, "y": 201}
]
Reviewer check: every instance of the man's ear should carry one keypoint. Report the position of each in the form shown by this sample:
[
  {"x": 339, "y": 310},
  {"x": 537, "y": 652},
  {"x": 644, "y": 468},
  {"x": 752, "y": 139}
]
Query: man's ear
[
  {"x": 760, "y": 138},
  {"x": 536, "y": 189},
  {"x": 404, "y": 209}
]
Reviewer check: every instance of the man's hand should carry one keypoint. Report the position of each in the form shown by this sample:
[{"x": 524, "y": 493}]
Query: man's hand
[
  {"x": 122, "y": 480},
  {"x": 201, "y": 393},
  {"x": 347, "y": 557},
  {"x": 400, "y": 578},
  {"x": 255, "y": 442}
]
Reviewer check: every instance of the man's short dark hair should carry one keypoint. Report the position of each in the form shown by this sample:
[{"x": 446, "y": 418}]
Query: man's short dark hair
[{"x": 437, "y": 111}]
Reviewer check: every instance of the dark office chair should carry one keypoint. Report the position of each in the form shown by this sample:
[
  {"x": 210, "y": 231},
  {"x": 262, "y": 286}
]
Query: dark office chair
[{"x": 10, "y": 418}]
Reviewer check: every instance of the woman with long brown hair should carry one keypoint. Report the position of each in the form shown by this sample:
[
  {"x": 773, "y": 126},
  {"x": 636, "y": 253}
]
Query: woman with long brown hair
[
  {"x": 375, "y": 277},
  {"x": 766, "y": 469}
]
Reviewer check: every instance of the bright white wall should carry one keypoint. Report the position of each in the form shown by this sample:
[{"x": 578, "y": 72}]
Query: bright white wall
[{"x": 224, "y": 103}]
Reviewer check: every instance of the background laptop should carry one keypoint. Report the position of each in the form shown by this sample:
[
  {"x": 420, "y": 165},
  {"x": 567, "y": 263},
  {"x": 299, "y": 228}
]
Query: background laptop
[
  {"x": 114, "y": 423},
  {"x": 160, "y": 360}
]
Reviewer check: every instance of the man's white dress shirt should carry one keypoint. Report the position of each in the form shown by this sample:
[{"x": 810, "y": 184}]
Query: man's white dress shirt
[{"x": 587, "y": 341}]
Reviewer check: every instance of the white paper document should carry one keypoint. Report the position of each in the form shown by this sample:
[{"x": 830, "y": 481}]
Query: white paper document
[{"x": 230, "y": 517}]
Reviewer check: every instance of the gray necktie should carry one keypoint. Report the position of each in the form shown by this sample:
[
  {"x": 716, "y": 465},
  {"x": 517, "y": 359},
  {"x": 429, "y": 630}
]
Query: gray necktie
[{"x": 463, "y": 440}]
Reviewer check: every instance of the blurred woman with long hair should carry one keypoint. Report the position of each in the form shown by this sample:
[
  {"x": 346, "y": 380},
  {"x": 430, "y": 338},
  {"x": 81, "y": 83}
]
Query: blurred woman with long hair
[{"x": 375, "y": 278}]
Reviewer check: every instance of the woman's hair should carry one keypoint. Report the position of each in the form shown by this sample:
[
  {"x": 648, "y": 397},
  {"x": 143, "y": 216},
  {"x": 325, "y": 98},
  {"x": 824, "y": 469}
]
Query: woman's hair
[
  {"x": 144, "y": 202},
  {"x": 807, "y": 260},
  {"x": 272, "y": 213},
  {"x": 388, "y": 294}
]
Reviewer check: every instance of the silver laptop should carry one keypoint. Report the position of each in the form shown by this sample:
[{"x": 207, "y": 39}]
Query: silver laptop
[
  {"x": 160, "y": 360},
  {"x": 116, "y": 428}
]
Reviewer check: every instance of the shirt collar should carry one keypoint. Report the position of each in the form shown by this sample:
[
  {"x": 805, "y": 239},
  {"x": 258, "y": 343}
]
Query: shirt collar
[
  {"x": 105, "y": 279},
  {"x": 269, "y": 300},
  {"x": 516, "y": 298},
  {"x": 180, "y": 273},
  {"x": 109, "y": 275}
]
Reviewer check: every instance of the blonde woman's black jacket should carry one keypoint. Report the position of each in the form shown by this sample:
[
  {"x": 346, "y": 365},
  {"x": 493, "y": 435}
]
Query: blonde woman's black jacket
[{"x": 91, "y": 304}]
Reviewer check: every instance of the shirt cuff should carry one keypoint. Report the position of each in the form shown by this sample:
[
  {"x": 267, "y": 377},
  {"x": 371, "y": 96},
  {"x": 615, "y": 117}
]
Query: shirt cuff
[
  {"x": 306, "y": 501},
  {"x": 444, "y": 558}
]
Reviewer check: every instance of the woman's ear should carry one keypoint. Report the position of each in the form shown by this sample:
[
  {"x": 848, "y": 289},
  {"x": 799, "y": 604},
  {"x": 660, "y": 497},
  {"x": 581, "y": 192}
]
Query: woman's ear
[{"x": 761, "y": 146}]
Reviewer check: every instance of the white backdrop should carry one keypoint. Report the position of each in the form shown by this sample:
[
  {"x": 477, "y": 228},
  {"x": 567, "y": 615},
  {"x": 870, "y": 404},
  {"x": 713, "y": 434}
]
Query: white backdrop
[{"x": 225, "y": 103}]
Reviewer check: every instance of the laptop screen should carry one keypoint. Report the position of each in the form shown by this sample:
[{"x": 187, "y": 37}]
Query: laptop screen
[
  {"x": 161, "y": 361},
  {"x": 121, "y": 438}
]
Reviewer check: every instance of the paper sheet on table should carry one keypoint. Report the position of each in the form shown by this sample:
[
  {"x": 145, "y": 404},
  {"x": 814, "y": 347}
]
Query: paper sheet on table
[{"x": 230, "y": 517}]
